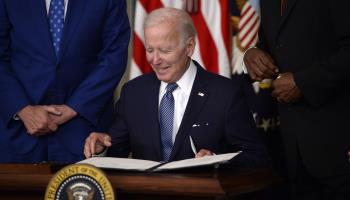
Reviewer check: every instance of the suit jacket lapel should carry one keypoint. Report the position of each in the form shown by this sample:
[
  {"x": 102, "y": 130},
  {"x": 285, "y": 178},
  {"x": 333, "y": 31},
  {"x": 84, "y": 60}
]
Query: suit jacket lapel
[
  {"x": 41, "y": 26},
  {"x": 196, "y": 102},
  {"x": 153, "y": 116},
  {"x": 289, "y": 8},
  {"x": 75, "y": 10}
]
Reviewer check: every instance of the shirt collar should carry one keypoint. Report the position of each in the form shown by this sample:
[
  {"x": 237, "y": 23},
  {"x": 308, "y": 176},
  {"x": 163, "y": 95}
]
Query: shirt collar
[{"x": 185, "y": 83}]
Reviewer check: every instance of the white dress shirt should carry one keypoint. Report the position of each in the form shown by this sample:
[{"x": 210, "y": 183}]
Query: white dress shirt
[
  {"x": 181, "y": 95},
  {"x": 48, "y": 6}
]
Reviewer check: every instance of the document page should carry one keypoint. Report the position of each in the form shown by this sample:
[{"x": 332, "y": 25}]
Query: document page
[
  {"x": 206, "y": 160},
  {"x": 120, "y": 163}
]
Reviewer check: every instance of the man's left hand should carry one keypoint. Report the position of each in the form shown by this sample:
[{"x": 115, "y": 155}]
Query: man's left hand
[
  {"x": 285, "y": 89},
  {"x": 67, "y": 113}
]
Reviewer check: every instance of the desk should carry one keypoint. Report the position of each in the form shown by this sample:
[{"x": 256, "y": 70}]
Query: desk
[{"x": 25, "y": 181}]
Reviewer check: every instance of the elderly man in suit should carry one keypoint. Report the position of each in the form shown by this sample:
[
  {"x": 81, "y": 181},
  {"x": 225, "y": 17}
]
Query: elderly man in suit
[
  {"x": 160, "y": 114},
  {"x": 60, "y": 61},
  {"x": 307, "y": 42}
]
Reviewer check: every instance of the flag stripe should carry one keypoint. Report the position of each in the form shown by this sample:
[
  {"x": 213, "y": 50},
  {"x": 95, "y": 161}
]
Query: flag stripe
[
  {"x": 225, "y": 26},
  {"x": 249, "y": 30},
  {"x": 210, "y": 59},
  {"x": 140, "y": 58},
  {"x": 253, "y": 41},
  {"x": 151, "y": 5},
  {"x": 246, "y": 19},
  {"x": 246, "y": 8}
]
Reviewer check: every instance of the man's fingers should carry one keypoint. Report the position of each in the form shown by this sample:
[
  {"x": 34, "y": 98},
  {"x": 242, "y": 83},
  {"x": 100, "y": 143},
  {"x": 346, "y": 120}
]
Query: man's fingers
[
  {"x": 87, "y": 151},
  {"x": 52, "y": 126},
  {"x": 107, "y": 141},
  {"x": 268, "y": 67},
  {"x": 52, "y": 110},
  {"x": 92, "y": 145},
  {"x": 253, "y": 72},
  {"x": 203, "y": 152},
  {"x": 269, "y": 62},
  {"x": 95, "y": 143},
  {"x": 260, "y": 65}
]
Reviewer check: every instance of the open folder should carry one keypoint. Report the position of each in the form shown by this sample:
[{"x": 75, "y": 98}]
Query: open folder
[{"x": 147, "y": 165}]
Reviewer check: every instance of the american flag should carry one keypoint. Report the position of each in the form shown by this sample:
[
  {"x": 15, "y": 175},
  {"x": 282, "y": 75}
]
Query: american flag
[
  {"x": 247, "y": 36},
  {"x": 212, "y": 21},
  {"x": 248, "y": 26}
]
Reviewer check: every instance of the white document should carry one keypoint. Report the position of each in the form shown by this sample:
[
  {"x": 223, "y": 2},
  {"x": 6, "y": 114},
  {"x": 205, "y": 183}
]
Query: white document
[
  {"x": 206, "y": 160},
  {"x": 147, "y": 165}
]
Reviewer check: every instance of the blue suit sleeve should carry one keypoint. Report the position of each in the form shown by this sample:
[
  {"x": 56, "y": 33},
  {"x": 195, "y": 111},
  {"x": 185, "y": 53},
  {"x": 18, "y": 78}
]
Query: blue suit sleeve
[
  {"x": 97, "y": 89},
  {"x": 12, "y": 95}
]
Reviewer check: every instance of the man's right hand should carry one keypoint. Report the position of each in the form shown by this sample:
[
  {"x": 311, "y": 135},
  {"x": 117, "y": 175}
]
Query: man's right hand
[
  {"x": 36, "y": 119},
  {"x": 96, "y": 143},
  {"x": 259, "y": 64}
]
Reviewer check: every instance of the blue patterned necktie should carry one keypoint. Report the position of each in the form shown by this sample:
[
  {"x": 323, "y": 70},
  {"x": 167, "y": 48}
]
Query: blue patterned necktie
[
  {"x": 56, "y": 16},
  {"x": 166, "y": 118}
]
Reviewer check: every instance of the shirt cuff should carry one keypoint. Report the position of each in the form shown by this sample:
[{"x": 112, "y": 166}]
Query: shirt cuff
[
  {"x": 16, "y": 117},
  {"x": 101, "y": 154}
]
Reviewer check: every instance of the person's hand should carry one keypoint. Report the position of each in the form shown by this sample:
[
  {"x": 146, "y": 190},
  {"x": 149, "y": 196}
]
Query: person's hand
[
  {"x": 285, "y": 89},
  {"x": 191, "y": 6},
  {"x": 259, "y": 64},
  {"x": 36, "y": 119},
  {"x": 96, "y": 143},
  {"x": 203, "y": 152},
  {"x": 67, "y": 113}
]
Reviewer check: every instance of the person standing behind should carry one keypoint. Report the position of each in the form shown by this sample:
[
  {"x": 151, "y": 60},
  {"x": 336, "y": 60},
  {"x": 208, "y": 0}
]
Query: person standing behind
[
  {"x": 60, "y": 61},
  {"x": 306, "y": 45}
]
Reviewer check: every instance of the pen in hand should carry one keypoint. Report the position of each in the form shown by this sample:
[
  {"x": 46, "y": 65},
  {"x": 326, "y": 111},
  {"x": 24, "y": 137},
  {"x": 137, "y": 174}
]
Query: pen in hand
[
  {"x": 193, "y": 147},
  {"x": 200, "y": 153}
]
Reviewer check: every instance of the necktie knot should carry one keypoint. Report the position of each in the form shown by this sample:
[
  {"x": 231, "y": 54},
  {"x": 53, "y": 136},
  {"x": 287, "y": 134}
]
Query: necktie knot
[{"x": 171, "y": 87}]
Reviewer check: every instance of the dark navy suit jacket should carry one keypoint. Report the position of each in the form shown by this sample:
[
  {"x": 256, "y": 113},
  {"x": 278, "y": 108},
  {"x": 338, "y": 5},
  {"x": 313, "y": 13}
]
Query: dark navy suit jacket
[
  {"x": 92, "y": 60},
  {"x": 222, "y": 121}
]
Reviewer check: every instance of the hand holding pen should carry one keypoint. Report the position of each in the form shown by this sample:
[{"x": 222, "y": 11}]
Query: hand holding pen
[{"x": 200, "y": 153}]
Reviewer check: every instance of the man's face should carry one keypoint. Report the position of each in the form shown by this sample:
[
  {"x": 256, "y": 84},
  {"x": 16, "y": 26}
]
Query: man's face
[{"x": 166, "y": 52}]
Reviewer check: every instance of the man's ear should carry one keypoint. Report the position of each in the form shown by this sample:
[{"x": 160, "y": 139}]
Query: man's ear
[{"x": 190, "y": 45}]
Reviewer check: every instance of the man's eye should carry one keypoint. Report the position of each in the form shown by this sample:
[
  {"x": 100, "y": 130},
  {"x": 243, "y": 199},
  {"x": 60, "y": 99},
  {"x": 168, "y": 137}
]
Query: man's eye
[
  {"x": 149, "y": 50},
  {"x": 164, "y": 50}
]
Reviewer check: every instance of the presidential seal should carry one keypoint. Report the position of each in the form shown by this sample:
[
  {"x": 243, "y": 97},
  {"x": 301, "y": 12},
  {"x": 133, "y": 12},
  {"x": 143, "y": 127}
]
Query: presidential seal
[{"x": 79, "y": 182}]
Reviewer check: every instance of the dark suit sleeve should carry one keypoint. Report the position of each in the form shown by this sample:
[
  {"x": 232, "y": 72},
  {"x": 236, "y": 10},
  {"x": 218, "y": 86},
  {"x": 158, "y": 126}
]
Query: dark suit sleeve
[
  {"x": 262, "y": 44},
  {"x": 324, "y": 79},
  {"x": 97, "y": 89},
  {"x": 261, "y": 41},
  {"x": 12, "y": 95},
  {"x": 119, "y": 130},
  {"x": 242, "y": 134}
]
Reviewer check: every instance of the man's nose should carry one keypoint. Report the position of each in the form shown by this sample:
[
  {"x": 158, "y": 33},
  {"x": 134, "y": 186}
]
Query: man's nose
[{"x": 156, "y": 59}]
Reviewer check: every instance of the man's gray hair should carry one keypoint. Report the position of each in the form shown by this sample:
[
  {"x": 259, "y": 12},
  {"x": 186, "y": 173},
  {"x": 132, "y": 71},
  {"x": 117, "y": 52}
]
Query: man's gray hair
[{"x": 172, "y": 16}]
